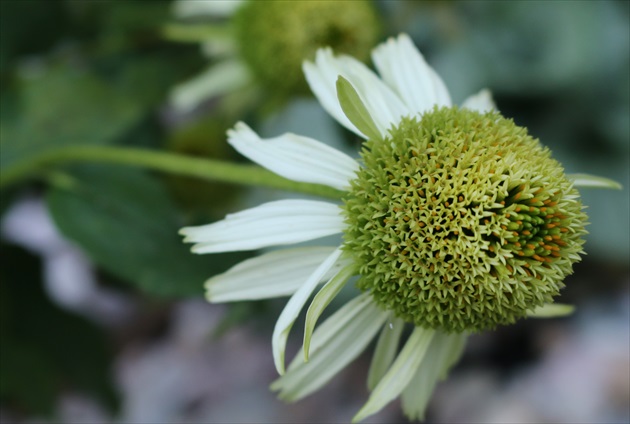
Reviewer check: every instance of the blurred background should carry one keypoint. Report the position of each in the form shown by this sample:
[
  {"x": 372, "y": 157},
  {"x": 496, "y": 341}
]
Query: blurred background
[{"x": 102, "y": 316}]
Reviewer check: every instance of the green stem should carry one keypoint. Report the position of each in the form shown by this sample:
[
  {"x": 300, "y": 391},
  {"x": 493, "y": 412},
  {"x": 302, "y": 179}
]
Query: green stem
[{"x": 207, "y": 169}]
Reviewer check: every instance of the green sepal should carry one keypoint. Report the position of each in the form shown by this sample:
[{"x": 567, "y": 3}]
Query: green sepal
[
  {"x": 355, "y": 110},
  {"x": 551, "y": 310}
]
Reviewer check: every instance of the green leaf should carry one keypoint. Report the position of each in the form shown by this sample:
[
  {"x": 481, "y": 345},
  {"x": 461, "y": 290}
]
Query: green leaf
[
  {"x": 400, "y": 374},
  {"x": 63, "y": 105},
  {"x": 126, "y": 223},
  {"x": 28, "y": 378},
  {"x": 322, "y": 299},
  {"x": 45, "y": 349},
  {"x": 593, "y": 181},
  {"x": 355, "y": 110},
  {"x": 146, "y": 80},
  {"x": 551, "y": 310},
  {"x": 17, "y": 20}
]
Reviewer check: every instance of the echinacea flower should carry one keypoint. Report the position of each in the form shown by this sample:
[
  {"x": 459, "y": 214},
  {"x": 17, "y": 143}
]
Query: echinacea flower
[
  {"x": 263, "y": 43},
  {"x": 455, "y": 220}
]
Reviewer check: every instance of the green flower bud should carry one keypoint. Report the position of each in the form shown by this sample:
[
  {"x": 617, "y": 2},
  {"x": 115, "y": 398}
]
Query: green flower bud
[
  {"x": 461, "y": 221},
  {"x": 276, "y": 36}
]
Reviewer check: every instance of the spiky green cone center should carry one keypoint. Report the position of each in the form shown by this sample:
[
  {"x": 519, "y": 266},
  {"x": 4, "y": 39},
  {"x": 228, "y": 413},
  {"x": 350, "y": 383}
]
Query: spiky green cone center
[
  {"x": 276, "y": 36},
  {"x": 461, "y": 221}
]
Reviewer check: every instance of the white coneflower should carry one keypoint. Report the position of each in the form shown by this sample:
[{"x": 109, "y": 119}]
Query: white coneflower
[
  {"x": 455, "y": 221},
  {"x": 265, "y": 42}
]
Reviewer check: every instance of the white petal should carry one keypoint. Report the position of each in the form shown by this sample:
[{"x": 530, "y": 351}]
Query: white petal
[
  {"x": 399, "y": 375},
  {"x": 481, "y": 102},
  {"x": 219, "y": 79},
  {"x": 293, "y": 308},
  {"x": 327, "y": 95},
  {"x": 444, "y": 351},
  {"x": 271, "y": 224},
  {"x": 385, "y": 108},
  {"x": 404, "y": 69},
  {"x": 335, "y": 343},
  {"x": 194, "y": 8},
  {"x": 273, "y": 274},
  {"x": 295, "y": 157},
  {"x": 385, "y": 351}
]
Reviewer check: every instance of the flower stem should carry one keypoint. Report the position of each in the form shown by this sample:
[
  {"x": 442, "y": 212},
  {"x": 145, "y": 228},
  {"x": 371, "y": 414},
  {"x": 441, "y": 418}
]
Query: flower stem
[{"x": 207, "y": 169}]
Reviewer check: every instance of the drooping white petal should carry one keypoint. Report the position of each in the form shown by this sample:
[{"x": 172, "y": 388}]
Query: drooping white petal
[
  {"x": 323, "y": 299},
  {"x": 399, "y": 375},
  {"x": 295, "y": 157},
  {"x": 385, "y": 352},
  {"x": 195, "y": 8},
  {"x": 335, "y": 343},
  {"x": 273, "y": 274},
  {"x": 219, "y": 79},
  {"x": 293, "y": 308},
  {"x": 444, "y": 351},
  {"x": 383, "y": 104},
  {"x": 404, "y": 69},
  {"x": 271, "y": 224},
  {"x": 480, "y": 102}
]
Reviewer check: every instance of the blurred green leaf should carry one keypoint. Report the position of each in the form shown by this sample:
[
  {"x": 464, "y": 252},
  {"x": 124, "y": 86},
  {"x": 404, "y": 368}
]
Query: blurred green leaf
[
  {"x": 18, "y": 18},
  {"x": 62, "y": 105},
  {"x": 44, "y": 348},
  {"x": 126, "y": 223},
  {"x": 148, "y": 79},
  {"x": 28, "y": 378},
  {"x": 7, "y": 196},
  {"x": 119, "y": 25}
]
